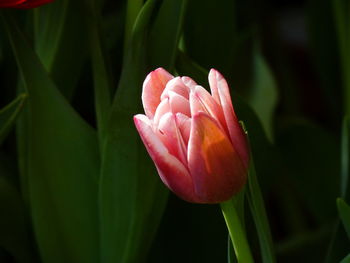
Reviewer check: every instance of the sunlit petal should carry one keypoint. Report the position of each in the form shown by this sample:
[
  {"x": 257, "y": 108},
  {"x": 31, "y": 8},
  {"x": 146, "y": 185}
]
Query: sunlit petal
[{"x": 216, "y": 168}]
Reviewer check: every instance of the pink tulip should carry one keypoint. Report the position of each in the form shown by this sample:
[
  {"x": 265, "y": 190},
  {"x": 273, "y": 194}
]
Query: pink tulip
[{"x": 193, "y": 137}]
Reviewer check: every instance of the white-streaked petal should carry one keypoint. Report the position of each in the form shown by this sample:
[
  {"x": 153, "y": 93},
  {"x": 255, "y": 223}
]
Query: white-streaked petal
[
  {"x": 172, "y": 172},
  {"x": 152, "y": 89},
  {"x": 171, "y": 137}
]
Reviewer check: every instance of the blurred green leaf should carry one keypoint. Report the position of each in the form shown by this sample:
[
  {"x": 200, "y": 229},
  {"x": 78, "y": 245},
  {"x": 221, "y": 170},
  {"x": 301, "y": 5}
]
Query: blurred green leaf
[
  {"x": 101, "y": 69},
  {"x": 344, "y": 213},
  {"x": 63, "y": 165},
  {"x": 346, "y": 259},
  {"x": 165, "y": 33},
  {"x": 8, "y": 115},
  {"x": 14, "y": 234},
  {"x": 132, "y": 11},
  {"x": 342, "y": 25},
  {"x": 339, "y": 243},
  {"x": 129, "y": 182},
  {"x": 60, "y": 31},
  {"x": 263, "y": 94},
  {"x": 257, "y": 208}
]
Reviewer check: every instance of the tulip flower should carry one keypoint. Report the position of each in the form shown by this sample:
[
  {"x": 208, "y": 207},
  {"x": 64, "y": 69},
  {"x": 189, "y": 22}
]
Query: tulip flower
[
  {"x": 22, "y": 3},
  {"x": 193, "y": 137}
]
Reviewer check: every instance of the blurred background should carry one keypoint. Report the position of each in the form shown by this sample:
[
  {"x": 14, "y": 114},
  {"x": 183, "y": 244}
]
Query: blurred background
[{"x": 287, "y": 65}]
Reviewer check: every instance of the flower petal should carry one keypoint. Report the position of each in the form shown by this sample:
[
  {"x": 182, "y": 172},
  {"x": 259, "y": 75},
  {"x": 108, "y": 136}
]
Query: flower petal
[
  {"x": 153, "y": 87},
  {"x": 184, "y": 124},
  {"x": 163, "y": 108},
  {"x": 175, "y": 85},
  {"x": 221, "y": 93},
  {"x": 172, "y": 172},
  {"x": 171, "y": 137},
  {"x": 179, "y": 104},
  {"x": 188, "y": 82},
  {"x": 216, "y": 168},
  {"x": 195, "y": 104},
  {"x": 211, "y": 106}
]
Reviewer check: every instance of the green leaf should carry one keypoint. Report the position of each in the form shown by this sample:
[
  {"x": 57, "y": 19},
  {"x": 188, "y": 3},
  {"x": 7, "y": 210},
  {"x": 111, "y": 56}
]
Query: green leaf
[
  {"x": 129, "y": 185},
  {"x": 14, "y": 230},
  {"x": 60, "y": 31},
  {"x": 165, "y": 34},
  {"x": 132, "y": 11},
  {"x": 231, "y": 257},
  {"x": 339, "y": 243},
  {"x": 257, "y": 209},
  {"x": 63, "y": 164},
  {"x": 101, "y": 71},
  {"x": 263, "y": 95},
  {"x": 346, "y": 259},
  {"x": 8, "y": 115},
  {"x": 344, "y": 213}
]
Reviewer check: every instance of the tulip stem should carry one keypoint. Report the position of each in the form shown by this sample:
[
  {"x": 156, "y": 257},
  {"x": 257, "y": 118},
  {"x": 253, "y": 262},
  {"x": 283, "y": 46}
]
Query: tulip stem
[{"x": 237, "y": 233}]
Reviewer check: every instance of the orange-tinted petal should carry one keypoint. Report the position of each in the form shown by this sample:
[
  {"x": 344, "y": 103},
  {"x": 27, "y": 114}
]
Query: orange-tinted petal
[
  {"x": 221, "y": 93},
  {"x": 153, "y": 87},
  {"x": 215, "y": 166}
]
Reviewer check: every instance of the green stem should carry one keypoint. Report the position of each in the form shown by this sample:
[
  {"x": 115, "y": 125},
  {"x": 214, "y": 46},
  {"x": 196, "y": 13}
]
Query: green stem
[{"x": 237, "y": 233}]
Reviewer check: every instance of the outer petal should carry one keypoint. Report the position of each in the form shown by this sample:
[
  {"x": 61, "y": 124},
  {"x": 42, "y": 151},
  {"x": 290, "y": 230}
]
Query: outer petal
[
  {"x": 172, "y": 172},
  {"x": 221, "y": 93},
  {"x": 153, "y": 87},
  {"x": 216, "y": 168}
]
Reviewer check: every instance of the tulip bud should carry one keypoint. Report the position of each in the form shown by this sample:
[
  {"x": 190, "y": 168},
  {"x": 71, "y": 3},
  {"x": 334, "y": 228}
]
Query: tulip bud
[{"x": 193, "y": 137}]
